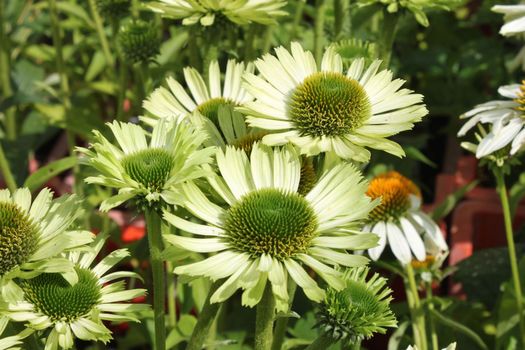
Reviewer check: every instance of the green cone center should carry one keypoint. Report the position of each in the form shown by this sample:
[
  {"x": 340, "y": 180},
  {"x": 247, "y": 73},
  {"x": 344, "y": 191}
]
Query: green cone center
[
  {"x": 54, "y": 297},
  {"x": 150, "y": 167},
  {"x": 18, "y": 237},
  {"x": 270, "y": 221},
  {"x": 210, "y": 108},
  {"x": 328, "y": 104}
]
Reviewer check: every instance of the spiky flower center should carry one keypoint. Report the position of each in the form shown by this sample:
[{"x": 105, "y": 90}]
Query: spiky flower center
[
  {"x": 139, "y": 41},
  {"x": 308, "y": 176},
  {"x": 328, "y": 104},
  {"x": 18, "y": 237},
  {"x": 521, "y": 97},
  {"x": 54, "y": 297},
  {"x": 247, "y": 141},
  {"x": 149, "y": 167},
  {"x": 394, "y": 190},
  {"x": 271, "y": 221},
  {"x": 357, "y": 311},
  {"x": 210, "y": 108}
]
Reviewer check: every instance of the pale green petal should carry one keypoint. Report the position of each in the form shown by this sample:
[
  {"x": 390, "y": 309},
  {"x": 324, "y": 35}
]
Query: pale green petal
[
  {"x": 354, "y": 242},
  {"x": 303, "y": 280},
  {"x": 199, "y": 245}
]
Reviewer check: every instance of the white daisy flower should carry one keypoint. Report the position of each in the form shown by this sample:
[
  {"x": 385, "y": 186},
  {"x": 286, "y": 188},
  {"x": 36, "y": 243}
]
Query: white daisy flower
[
  {"x": 147, "y": 172},
  {"x": 329, "y": 110},
  {"x": 399, "y": 220},
  {"x": 205, "y": 100},
  {"x": 208, "y": 12},
  {"x": 514, "y": 16},
  {"x": 50, "y": 303},
  {"x": 505, "y": 118},
  {"x": 269, "y": 230},
  {"x": 33, "y": 234}
]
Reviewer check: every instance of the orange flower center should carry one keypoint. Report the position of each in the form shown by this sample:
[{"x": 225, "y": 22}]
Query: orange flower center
[{"x": 394, "y": 190}]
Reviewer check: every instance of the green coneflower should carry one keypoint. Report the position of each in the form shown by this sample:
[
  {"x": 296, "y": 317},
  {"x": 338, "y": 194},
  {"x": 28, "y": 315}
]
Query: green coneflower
[
  {"x": 206, "y": 99},
  {"x": 329, "y": 110},
  {"x": 33, "y": 234},
  {"x": 351, "y": 49},
  {"x": 50, "y": 303},
  {"x": 359, "y": 310},
  {"x": 147, "y": 172},
  {"x": 207, "y": 12},
  {"x": 269, "y": 230},
  {"x": 139, "y": 41}
]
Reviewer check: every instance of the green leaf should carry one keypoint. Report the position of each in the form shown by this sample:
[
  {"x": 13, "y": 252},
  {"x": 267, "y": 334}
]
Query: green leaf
[
  {"x": 44, "y": 174},
  {"x": 458, "y": 327},
  {"x": 97, "y": 65},
  {"x": 396, "y": 337},
  {"x": 445, "y": 207},
  {"x": 414, "y": 153}
]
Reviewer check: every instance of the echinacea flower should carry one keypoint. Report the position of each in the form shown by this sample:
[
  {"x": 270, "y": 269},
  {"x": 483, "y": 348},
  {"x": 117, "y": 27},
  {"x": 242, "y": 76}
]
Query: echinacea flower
[
  {"x": 505, "y": 118},
  {"x": 208, "y": 12},
  {"x": 269, "y": 230},
  {"x": 50, "y": 303},
  {"x": 329, "y": 110},
  {"x": 359, "y": 310},
  {"x": 147, "y": 172},
  {"x": 514, "y": 16},
  {"x": 33, "y": 234},
  {"x": 205, "y": 99},
  {"x": 399, "y": 220}
]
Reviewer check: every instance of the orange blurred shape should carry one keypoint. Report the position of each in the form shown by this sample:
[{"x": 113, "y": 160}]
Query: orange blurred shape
[{"x": 132, "y": 233}]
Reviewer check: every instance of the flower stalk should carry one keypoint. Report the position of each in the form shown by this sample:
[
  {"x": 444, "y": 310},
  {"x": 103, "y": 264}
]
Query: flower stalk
[
  {"x": 388, "y": 36},
  {"x": 264, "y": 320},
  {"x": 5, "y": 69},
  {"x": 64, "y": 87},
  {"x": 101, "y": 34},
  {"x": 320, "y": 9},
  {"x": 417, "y": 318},
  {"x": 206, "y": 317},
  {"x": 281, "y": 325},
  {"x": 502, "y": 191},
  {"x": 6, "y": 171},
  {"x": 153, "y": 225},
  {"x": 323, "y": 342},
  {"x": 433, "y": 333}
]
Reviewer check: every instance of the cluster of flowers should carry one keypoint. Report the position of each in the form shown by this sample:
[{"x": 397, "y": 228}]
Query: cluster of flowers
[
  {"x": 500, "y": 133},
  {"x": 47, "y": 277},
  {"x": 267, "y": 164}
]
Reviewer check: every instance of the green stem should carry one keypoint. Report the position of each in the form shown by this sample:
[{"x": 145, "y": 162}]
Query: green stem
[
  {"x": 418, "y": 321},
  {"x": 356, "y": 345},
  {"x": 206, "y": 317},
  {"x": 5, "y": 70},
  {"x": 502, "y": 190},
  {"x": 388, "y": 36},
  {"x": 101, "y": 34},
  {"x": 172, "y": 297},
  {"x": 281, "y": 325},
  {"x": 340, "y": 12},
  {"x": 323, "y": 342},
  {"x": 264, "y": 320},
  {"x": 6, "y": 171},
  {"x": 267, "y": 39},
  {"x": 433, "y": 334},
  {"x": 153, "y": 225},
  {"x": 193, "y": 49},
  {"x": 122, "y": 76},
  {"x": 298, "y": 16},
  {"x": 320, "y": 9},
  {"x": 249, "y": 42},
  {"x": 65, "y": 91}
]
